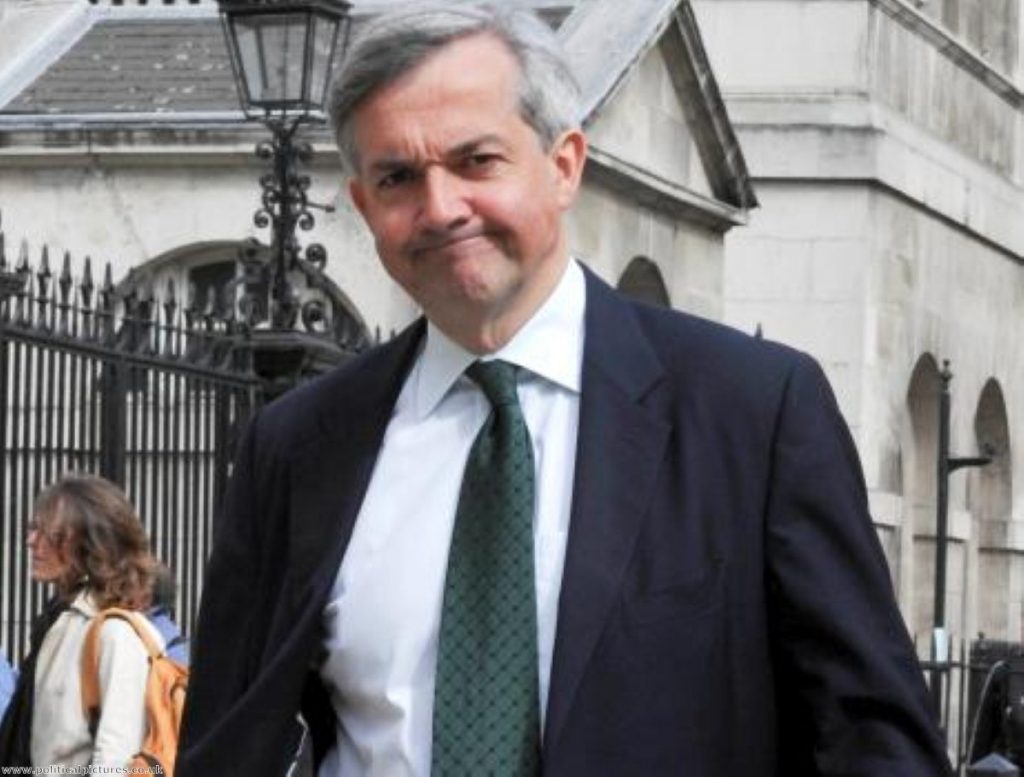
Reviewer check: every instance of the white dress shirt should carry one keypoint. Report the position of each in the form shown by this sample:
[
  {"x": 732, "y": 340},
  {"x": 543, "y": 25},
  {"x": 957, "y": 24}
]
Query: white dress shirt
[{"x": 382, "y": 619}]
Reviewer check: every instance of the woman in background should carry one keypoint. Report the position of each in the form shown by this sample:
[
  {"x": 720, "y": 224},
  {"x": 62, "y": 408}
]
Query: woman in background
[{"x": 87, "y": 540}]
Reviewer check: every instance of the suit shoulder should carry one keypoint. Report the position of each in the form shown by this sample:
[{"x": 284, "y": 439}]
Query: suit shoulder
[
  {"x": 740, "y": 385},
  {"x": 694, "y": 345}
]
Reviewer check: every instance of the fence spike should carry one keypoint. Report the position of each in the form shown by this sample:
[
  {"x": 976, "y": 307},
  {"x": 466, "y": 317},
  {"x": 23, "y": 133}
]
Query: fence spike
[
  {"x": 85, "y": 286},
  {"x": 128, "y": 334},
  {"x": 24, "y": 273},
  {"x": 43, "y": 276},
  {"x": 64, "y": 284},
  {"x": 23, "y": 265},
  {"x": 82, "y": 316},
  {"x": 105, "y": 312},
  {"x": 65, "y": 279},
  {"x": 3, "y": 252},
  {"x": 170, "y": 319},
  {"x": 107, "y": 291}
]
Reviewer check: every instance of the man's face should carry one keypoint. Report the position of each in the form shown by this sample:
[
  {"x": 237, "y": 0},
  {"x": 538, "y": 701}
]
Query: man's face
[{"x": 464, "y": 203}]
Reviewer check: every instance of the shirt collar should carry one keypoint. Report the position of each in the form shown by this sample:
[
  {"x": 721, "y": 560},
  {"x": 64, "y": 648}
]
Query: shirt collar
[
  {"x": 549, "y": 344},
  {"x": 85, "y": 603}
]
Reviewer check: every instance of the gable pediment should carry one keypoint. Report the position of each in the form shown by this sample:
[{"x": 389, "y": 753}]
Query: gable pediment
[
  {"x": 645, "y": 125},
  {"x": 652, "y": 109}
]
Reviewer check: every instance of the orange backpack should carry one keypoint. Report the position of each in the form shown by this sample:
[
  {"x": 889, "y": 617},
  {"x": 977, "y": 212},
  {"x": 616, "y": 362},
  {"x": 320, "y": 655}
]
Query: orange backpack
[{"x": 165, "y": 693}]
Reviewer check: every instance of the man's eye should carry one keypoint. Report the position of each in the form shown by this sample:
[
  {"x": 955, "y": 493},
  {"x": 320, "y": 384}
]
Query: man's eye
[
  {"x": 395, "y": 178},
  {"x": 480, "y": 161}
]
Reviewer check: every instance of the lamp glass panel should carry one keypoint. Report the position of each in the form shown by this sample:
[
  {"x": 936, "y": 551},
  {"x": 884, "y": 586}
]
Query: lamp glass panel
[
  {"x": 246, "y": 41},
  {"x": 271, "y": 51},
  {"x": 325, "y": 32}
]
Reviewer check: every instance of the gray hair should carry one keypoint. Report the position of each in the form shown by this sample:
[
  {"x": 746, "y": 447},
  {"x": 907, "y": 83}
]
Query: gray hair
[{"x": 395, "y": 42}]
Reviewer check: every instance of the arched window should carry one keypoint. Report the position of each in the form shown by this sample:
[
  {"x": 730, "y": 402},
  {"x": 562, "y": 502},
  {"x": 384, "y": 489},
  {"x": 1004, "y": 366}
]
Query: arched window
[
  {"x": 920, "y": 454},
  {"x": 990, "y": 501}
]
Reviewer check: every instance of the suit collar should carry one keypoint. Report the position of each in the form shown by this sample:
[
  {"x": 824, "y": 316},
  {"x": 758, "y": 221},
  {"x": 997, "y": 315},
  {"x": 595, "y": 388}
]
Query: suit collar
[
  {"x": 620, "y": 447},
  {"x": 616, "y": 347}
]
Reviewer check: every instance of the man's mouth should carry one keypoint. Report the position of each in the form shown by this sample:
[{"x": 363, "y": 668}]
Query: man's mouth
[{"x": 441, "y": 244}]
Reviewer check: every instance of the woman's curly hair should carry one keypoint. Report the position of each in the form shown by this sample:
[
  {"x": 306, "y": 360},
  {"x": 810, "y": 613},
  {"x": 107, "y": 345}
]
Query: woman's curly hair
[{"x": 102, "y": 539}]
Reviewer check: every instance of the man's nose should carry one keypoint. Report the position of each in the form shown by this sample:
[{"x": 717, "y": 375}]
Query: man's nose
[{"x": 444, "y": 199}]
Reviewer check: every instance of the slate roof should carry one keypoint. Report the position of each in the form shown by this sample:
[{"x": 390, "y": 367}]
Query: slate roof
[
  {"x": 137, "y": 66},
  {"x": 604, "y": 46}
]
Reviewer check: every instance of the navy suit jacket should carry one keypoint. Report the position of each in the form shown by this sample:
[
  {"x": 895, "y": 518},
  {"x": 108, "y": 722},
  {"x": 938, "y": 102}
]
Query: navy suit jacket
[{"x": 725, "y": 607}]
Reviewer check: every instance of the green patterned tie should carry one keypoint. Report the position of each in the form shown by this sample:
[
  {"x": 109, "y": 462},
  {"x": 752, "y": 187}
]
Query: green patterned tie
[{"x": 486, "y": 700}]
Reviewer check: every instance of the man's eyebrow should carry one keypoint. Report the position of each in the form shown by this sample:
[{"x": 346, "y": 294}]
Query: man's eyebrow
[
  {"x": 469, "y": 146},
  {"x": 390, "y": 165}
]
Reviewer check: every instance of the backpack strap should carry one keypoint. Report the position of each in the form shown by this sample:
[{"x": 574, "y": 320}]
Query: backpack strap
[{"x": 91, "y": 657}]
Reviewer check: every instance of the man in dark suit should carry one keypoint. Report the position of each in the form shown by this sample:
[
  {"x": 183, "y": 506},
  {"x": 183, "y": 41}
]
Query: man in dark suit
[{"x": 678, "y": 505}]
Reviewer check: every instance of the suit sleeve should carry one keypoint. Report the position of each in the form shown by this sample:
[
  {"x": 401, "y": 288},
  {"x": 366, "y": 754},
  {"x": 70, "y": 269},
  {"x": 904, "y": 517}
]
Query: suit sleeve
[
  {"x": 218, "y": 674},
  {"x": 850, "y": 690}
]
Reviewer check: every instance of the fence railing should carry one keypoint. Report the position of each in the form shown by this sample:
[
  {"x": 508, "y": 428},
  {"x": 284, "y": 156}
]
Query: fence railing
[
  {"x": 150, "y": 392},
  {"x": 982, "y": 708}
]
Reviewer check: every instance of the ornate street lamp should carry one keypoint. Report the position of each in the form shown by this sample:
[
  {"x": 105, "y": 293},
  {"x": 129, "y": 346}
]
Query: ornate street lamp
[{"x": 282, "y": 53}]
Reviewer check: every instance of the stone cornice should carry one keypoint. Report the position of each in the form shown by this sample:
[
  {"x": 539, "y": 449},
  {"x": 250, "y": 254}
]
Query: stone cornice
[
  {"x": 659, "y": 193},
  {"x": 34, "y": 144},
  {"x": 954, "y": 48}
]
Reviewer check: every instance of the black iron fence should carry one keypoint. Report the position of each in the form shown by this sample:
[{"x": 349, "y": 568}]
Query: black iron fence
[
  {"x": 982, "y": 705},
  {"x": 954, "y": 713},
  {"x": 149, "y": 392}
]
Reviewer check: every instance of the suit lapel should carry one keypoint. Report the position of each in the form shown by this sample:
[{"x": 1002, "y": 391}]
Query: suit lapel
[
  {"x": 619, "y": 452},
  {"x": 330, "y": 475}
]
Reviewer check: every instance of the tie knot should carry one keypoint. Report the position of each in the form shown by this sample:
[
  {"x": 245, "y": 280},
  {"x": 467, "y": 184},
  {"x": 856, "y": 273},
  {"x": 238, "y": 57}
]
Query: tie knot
[{"x": 497, "y": 379}]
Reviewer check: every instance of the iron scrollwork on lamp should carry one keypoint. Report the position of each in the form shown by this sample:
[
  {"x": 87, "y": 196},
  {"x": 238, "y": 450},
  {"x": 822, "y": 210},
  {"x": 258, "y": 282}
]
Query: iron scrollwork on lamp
[{"x": 282, "y": 53}]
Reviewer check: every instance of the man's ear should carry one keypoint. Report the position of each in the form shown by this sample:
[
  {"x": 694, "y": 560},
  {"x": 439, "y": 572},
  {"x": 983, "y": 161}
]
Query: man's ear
[
  {"x": 357, "y": 192},
  {"x": 569, "y": 156}
]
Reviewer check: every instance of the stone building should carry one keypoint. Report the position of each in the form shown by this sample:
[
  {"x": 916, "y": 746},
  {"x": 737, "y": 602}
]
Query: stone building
[{"x": 886, "y": 143}]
